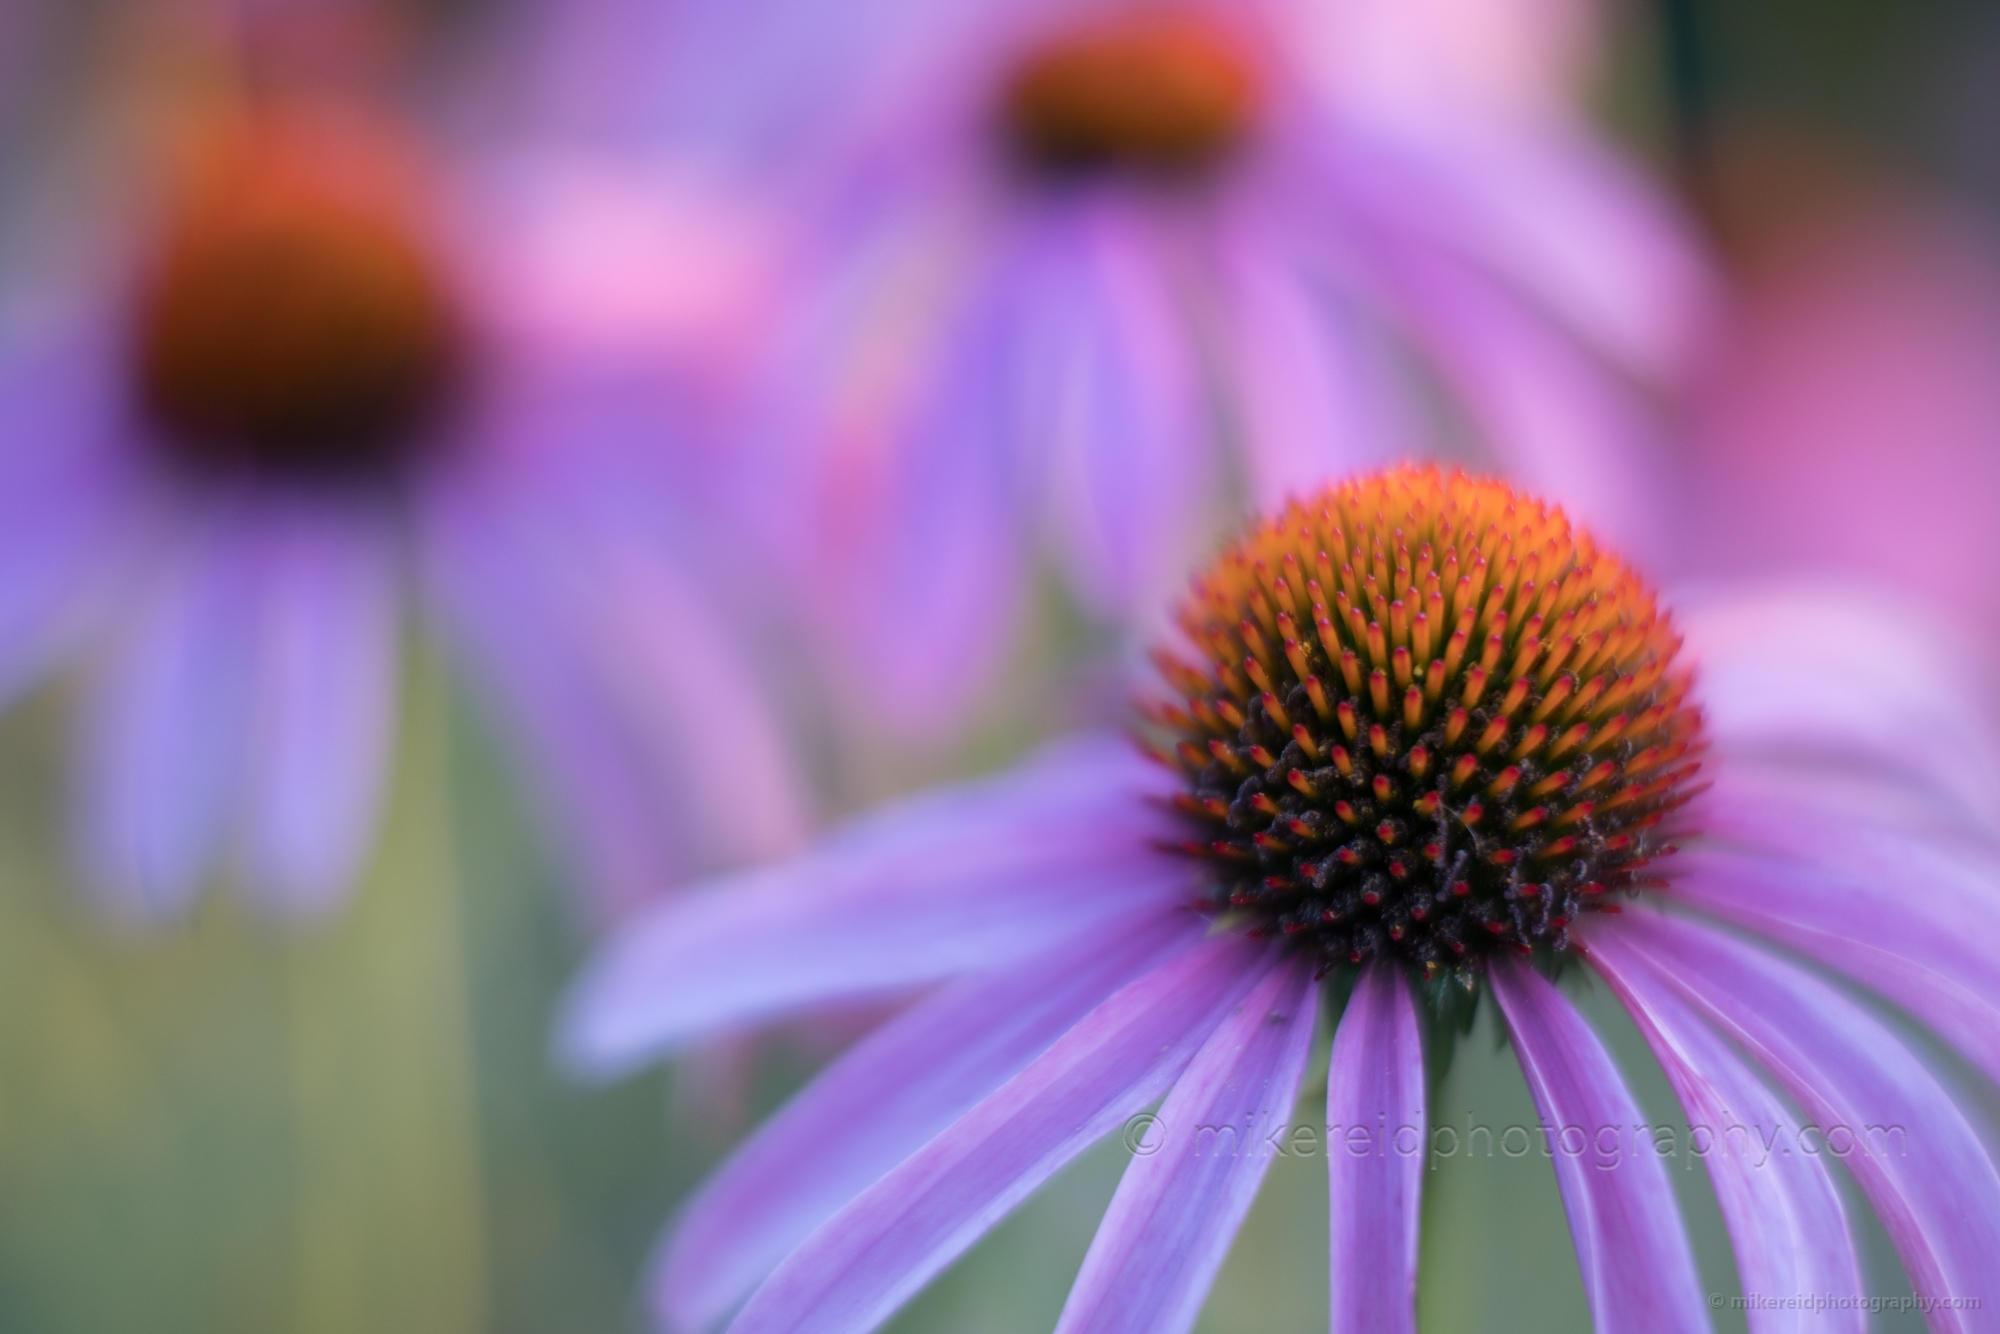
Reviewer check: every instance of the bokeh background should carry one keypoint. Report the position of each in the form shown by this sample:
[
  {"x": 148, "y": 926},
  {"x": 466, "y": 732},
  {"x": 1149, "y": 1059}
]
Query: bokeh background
[{"x": 229, "y": 1127}]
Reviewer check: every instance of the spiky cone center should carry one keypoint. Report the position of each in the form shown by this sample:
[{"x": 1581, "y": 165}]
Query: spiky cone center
[
  {"x": 1427, "y": 720},
  {"x": 293, "y": 320},
  {"x": 1157, "y": 90}
]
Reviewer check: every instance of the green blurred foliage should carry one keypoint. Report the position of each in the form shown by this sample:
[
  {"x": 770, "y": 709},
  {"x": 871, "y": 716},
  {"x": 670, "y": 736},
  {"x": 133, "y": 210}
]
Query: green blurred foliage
[{"x": 228, "y": 1127}]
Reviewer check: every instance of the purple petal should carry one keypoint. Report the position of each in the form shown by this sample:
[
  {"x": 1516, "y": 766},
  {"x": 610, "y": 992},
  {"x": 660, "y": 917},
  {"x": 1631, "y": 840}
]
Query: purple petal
[
  {"x": 1638, "y": 1271},
  {"x": 880, "y": 1103},
  {"x": 1376, "y": 1080},
  {"x": 1127, "y": 459},
  {"x": 1312, "y": 397},
  {"x": 1070, "y": 788},
  {"x": 854, "y": 1272},
  {"x": 1921, "y": 950},
  {"x": 1853, "y": 822},
  {"x": 1455, "y": 63},
  {"x": 951, "y": 883},
  {"x": 1550, "y": 417},
  {"x": 625, "y": 663},
  {"x": 1783, "y": 1209},
  {"x": 325, "y": 711},
  {"x": 940, "y": 590},
  {"x": 67, "y": 517},
  {"x": 1927, "y": 1175},
  {"x": 674, "y": 673},
  {"x": 1825, "y": 672},
  {"x": 164, "y": 731},
  {"x": 1822, "y": 793},
  {"x": 1840, "y": 860},
  {"x": 586, "y": 770},
  {"x": 1576, "y": 232},
  {"x": 64, "y": 533},
  {"x": 1179, "y": 1206}
]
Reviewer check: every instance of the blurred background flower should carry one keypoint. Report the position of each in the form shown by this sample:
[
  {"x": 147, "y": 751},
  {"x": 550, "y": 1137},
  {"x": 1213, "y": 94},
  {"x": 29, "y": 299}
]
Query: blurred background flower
[
  {"x": 1053, "y": 256},
  {"x": 304, "y": 330},
  {"x": 332, "y": 352}
]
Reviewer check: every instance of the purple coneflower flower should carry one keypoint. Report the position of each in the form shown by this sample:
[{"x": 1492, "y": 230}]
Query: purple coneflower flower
[
  {"x": 1430, "y": 742},
  {"x": 327, "y": 368},
  {"x": 1054, "y": 229}
]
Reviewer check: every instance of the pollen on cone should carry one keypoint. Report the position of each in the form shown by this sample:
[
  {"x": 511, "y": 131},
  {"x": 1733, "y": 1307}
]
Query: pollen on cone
[{"x": 1505, "y": 731}]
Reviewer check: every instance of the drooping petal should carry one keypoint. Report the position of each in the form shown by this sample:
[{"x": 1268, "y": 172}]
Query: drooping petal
[
  {"x": 66, "y": 513},
  {"x": 1550, "y": 417},
  {"x": 946, "y": 884},
  {"x": 1824, "y": 672},
  {"x": 1311, "y": 397},
  {"x": 938, "y": 590},
  {"x": 62, "y": 531},
  {"x": 1783, "y": 1210},
  {"x": 1376, "y": 1080},
  {"x": 1178, "y": 1206},
  {"x": 875, "y": 1254},
  {"x": 880, "y": 1103},
  {"x": 327, "y": 605},
  {"x": 1838, "y": 850},
  {"x": 1917, "y": 939},
  {"x": 1638, "y": 1271},
  {"x": 1909, "y": 1146},
  {"x": 1774, "y": 801},
  {"x": 1126, "y": 454},
  {"x": 164, "y": 731},
  {"x": 1445, "y": 60},
  {"x": 675, "y": 673},
  {"x": 586, "y": 772},
  {"x": 1572, "y": 229}
]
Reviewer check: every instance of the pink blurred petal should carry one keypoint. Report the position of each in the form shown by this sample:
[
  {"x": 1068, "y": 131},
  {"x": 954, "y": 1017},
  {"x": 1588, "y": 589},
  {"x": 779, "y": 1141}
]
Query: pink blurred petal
[
  {"x": 1851, "y": 418},
  {"x": 1311, "y": 387},
  {"x": 604, "y": 256},
  {"x": 678, "y": 676},
  {"x": 163, "y": 736},
  {"x": 1445, "y": 59},
  {"x": 324, "y": 716},
  {"x": 1127, "y": 453},
  {"x": 1820, "y": 671}
]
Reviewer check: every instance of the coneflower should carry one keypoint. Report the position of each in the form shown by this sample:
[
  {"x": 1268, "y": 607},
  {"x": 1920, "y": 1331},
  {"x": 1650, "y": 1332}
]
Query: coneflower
[
  {"x": 1423, "y": 743},
  {"x": 308, "y": 393},
  {"x": 1057, "y": 253}
]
